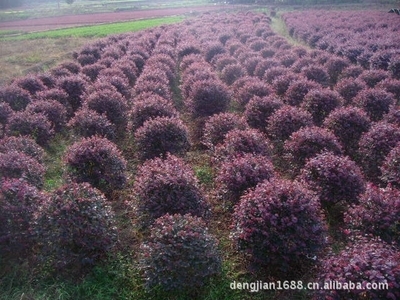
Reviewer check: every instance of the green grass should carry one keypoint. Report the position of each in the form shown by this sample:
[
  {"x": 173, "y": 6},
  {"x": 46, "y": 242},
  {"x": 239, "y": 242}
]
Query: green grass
[{"x": 95, "y": 31}]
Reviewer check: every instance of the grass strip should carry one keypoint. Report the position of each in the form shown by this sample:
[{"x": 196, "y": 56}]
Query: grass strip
[{"x": 96, "y": 30}]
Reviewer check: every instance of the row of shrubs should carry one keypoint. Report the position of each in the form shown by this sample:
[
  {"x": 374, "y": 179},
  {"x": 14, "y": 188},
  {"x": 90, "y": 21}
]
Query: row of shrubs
[{"x": 279, "y": 159}]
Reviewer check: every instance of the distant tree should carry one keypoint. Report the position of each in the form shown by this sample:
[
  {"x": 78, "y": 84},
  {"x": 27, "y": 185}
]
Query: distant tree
[{"x": 69, "y": 1}]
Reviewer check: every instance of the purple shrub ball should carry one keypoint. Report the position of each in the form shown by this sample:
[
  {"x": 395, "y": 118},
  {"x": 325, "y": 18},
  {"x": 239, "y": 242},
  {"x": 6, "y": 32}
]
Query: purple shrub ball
[
  {"x": 306, "y": 143},
  {"x": 394, "y": 66},
  {"x": 112, "y": 104},
  {"x": 161, "y": 135},
  {"x": 87, "y": 123},
  {"x": 32, "y": 84},
  {"x": 390, "y": 168},
  {"x": 231, "y": 73},
  {"x": 297, "y": 90},
  {"x": 35, "y": 125},
  {"x": 18, "y": 203},
  {"x": 280, "y": 226},
  {"x": 207, "y": 98},
  {"x": 348, "y": 88},
  {"x": 334, "y": 178},
  {"x": 377, "y": 213},
  {"x": 97, "y": 161},
  {"x": 240, "y": 173},
  {"x": 23, "y": 144},
  {"x": 373, "y": 77},
  {"x": 217, "y": 126},
  {"x": 58, "y": 95},
  {"x": 259, "y": 109},
  {"x": 55, "y": 112},
  {"x": 375, "y": 145},
  {"x": 18, "y": 165},
  {"x": 250, "y": 87},
  {"x": 180, "y": 254},
  {"x": 167, "y": 185},
  {"x": 286, "y": 120},
  {"x": 74, "y": 86},
  {"x": 240, "y": 142},
  {"x": 335, "y": 67},
  {"x": 316, "y": 74},
  {"x": 375, "y": 102},
  {"x": 348, "y": 124},
  {"x": 363, "y": 261},
  {"x": 5, "y": 113},
  {"x": 212, "y": 50},
  {"x": 320, "y": 102},
  {"x": 16, "y": 97},
  {"x": 76, "y": 228},
  {"x": 391, "y": 86},
  {"x": 149, "y": 106}
]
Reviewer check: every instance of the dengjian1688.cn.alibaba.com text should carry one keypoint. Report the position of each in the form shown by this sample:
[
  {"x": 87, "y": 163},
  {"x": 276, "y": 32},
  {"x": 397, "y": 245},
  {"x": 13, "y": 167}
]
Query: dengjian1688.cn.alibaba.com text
[{"x": 259, "y": 285}]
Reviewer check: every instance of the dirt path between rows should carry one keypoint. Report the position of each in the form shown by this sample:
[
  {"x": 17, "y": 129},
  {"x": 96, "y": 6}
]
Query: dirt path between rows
[{"x": 49, "y": 23}]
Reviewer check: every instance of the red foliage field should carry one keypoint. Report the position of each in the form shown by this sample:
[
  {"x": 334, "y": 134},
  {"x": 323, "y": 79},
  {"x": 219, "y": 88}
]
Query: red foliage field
[{"x": 50, "y": 23}]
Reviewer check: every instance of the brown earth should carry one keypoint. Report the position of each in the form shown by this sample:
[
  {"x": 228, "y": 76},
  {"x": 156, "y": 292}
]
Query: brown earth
[{"x": 50, "y": 23}]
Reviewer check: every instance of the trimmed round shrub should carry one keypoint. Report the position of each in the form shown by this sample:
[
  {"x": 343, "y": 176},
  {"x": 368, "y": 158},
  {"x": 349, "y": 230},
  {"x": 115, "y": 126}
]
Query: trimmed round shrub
[
  {"x": 75, "y": 229},
  {"x": 55, "y": 112},
  {"x": 159, "y": 88},
  {"x": 116, "y": 78},
  {"x": 231, "y": 73},
  {"x": 348, "y": 124},
  {"x": 281, "y": 83},
  {"x": 5, "y": 113},
  {"x": 274, "y": 72},
  {"x": 250, "y": 87},
  {"x": 71, "y": 66},
  {"x": 351, "y": 72},
  {"x": 334, "y": 178},
  {"x": 161, "y": 135},
  {"x": 87, "y": 123},
  {"x": 286, "y": 120},
  {"x": 150, "y": 106},
  {"x": 319, "y": 103},
  {"x": 308, "y": 142},
  {"x": 74, "y": 86},
  {"x": 185, "y": 49},
  {"x": 30, "y": 83},
  {"x": 394, "y": 66},
  {"x": 377, "y": 213},
  {"x": 36, "y": 125},
  {"x": 223, "y": 60},
  {"x": 16, "y": 164},
  {"x": 218, "y": 125},
  {"x": 393, "y": 116},
  {"x": 298, "y": 89},
  {"x": 375, "y": 145},
  {"x": 316, "y": 74},
  {"x": 240, "y": 173},
  {"x": 375, "y": 102},
  {"x": 58, "y": 95},
  {"x": 23, "y": 144},
  {"x": 335, "y": 66},
  {"x": 16, "y": 97},
  {"x": 127, "y": 67},
  {"x": 112, "y": 104},
  {"x": 92, "y": 71},
  {"x": 239, "y": 142},
  {"x": 364, "y": 261},
  {"x": 348, "y": 88},
  {"x": 391, "y": 86},
  {"x": 373, "y": 77},
  {"x": 390, "y": 168},
  {"x": 164, "y": 186},
  {"x": 18, "y": 203},
  {"x": 280, "y": 225},
  {"x": 97, "y": 161},
  {"x": 207, "y": 98},
  {"x": 180, "y": 255},
  {"x": 265, "y": 65},
  {"x": 259, "y": 109},
  {"x": 212, "y": 50}
]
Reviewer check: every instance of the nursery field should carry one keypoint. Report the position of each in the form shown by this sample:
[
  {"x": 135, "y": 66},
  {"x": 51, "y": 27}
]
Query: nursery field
[{"x": 213, "y": 158}]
